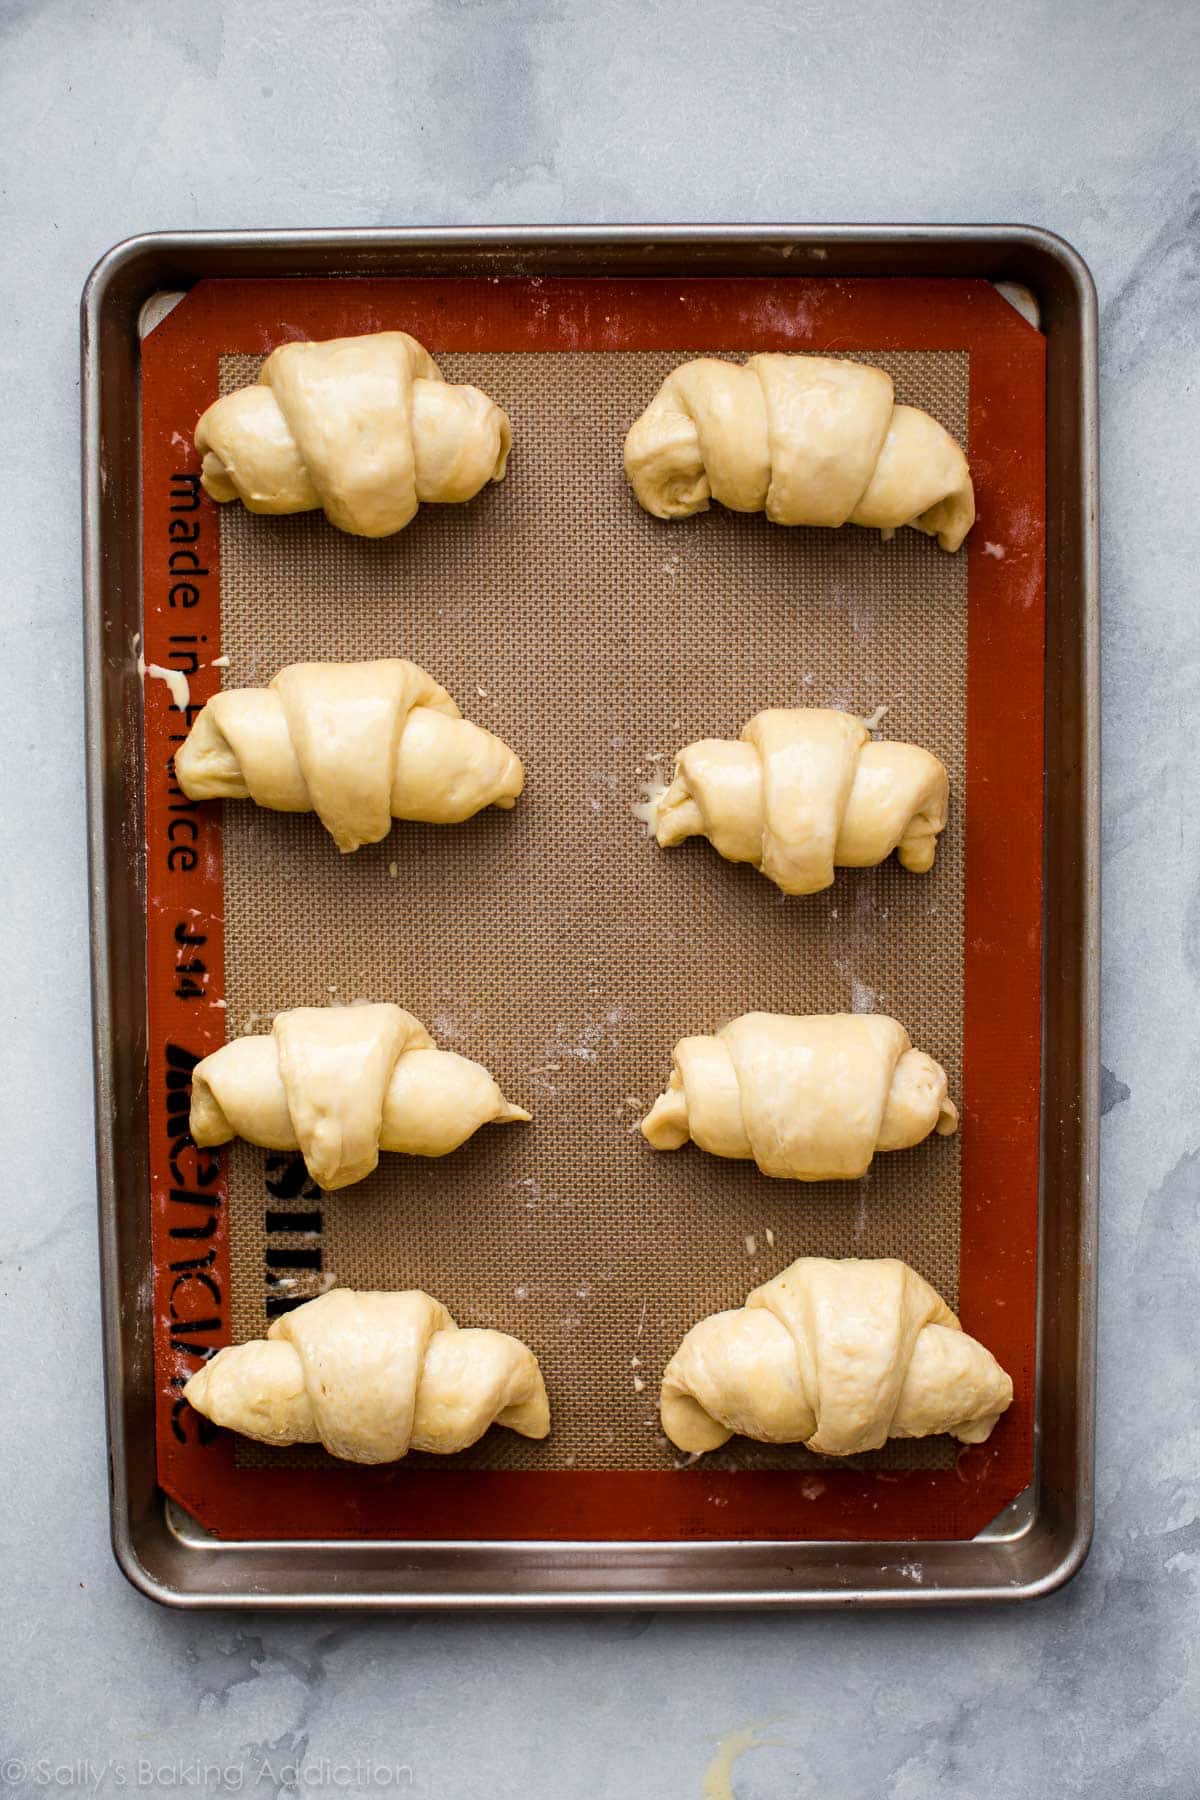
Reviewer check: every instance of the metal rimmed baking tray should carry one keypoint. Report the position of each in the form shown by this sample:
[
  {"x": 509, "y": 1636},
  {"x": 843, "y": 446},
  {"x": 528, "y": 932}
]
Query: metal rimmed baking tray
[{"x": 1043, "y": 1536}]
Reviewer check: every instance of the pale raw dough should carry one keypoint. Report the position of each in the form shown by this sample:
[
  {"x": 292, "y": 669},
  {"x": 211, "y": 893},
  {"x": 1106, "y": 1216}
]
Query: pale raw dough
[
  {"x": 363, "y": 427},
  {"x": 805, "y": 790},
  {"x": 839, "y": 1356},
  {"x": 812, "y": 440},
  {"x": 359, "y": 744},
  {"x": 808, "y": 1099},
  {"x": 371, "y": 1377},
  {"x": 342, "y": 1083}
]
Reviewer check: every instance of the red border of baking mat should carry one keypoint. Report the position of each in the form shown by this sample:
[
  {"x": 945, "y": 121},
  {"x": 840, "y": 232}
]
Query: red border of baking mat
[{"x": 1002, "y": 1027}]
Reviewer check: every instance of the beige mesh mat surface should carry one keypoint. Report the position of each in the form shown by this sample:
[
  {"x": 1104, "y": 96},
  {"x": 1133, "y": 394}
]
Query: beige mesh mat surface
[{"x": 556, "y": 943}]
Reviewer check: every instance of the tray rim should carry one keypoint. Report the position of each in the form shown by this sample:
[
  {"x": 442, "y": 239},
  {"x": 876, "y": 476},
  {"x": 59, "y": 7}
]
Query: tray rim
[{"x": 151, "y": 1542}]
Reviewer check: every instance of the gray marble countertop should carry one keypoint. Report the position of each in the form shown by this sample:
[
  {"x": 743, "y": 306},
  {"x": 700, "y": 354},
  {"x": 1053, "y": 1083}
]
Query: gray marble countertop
[{"x": 121, "y": 117}]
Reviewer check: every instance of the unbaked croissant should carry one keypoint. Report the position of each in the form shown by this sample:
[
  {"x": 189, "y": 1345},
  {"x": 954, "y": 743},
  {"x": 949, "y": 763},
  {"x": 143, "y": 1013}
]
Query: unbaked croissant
[
  {"x": 363, "y": 427},
  {"x": 839, "y": 1356},
  {"x": 808, "y": 1099},
  {"x": 342, "y": 1083},
  {"x": 805, "y": 790},
  {"x": 373, "y": 1376},
  {"x": 814, "y": 440},
  {"x": 359, "y": 744}
]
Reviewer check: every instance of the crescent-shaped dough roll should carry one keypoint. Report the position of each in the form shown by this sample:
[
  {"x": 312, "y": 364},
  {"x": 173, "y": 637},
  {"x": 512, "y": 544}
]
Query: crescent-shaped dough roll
[
  {"x": 363, "y": 427},
  {"x": 359, "y": 744},
  {"x": 810, "y": 440},
  {"x": 340, "y": 1084},
  {"x": 838, "y": 1356},
  {"x": 805, "y": 791},
  {"x": 807, "y": 1099},
  {"x": 373, "y": 1376}
]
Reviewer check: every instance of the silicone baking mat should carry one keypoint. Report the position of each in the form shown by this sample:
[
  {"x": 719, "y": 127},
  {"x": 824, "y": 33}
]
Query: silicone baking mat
[{"x": 560, "y": 946}]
